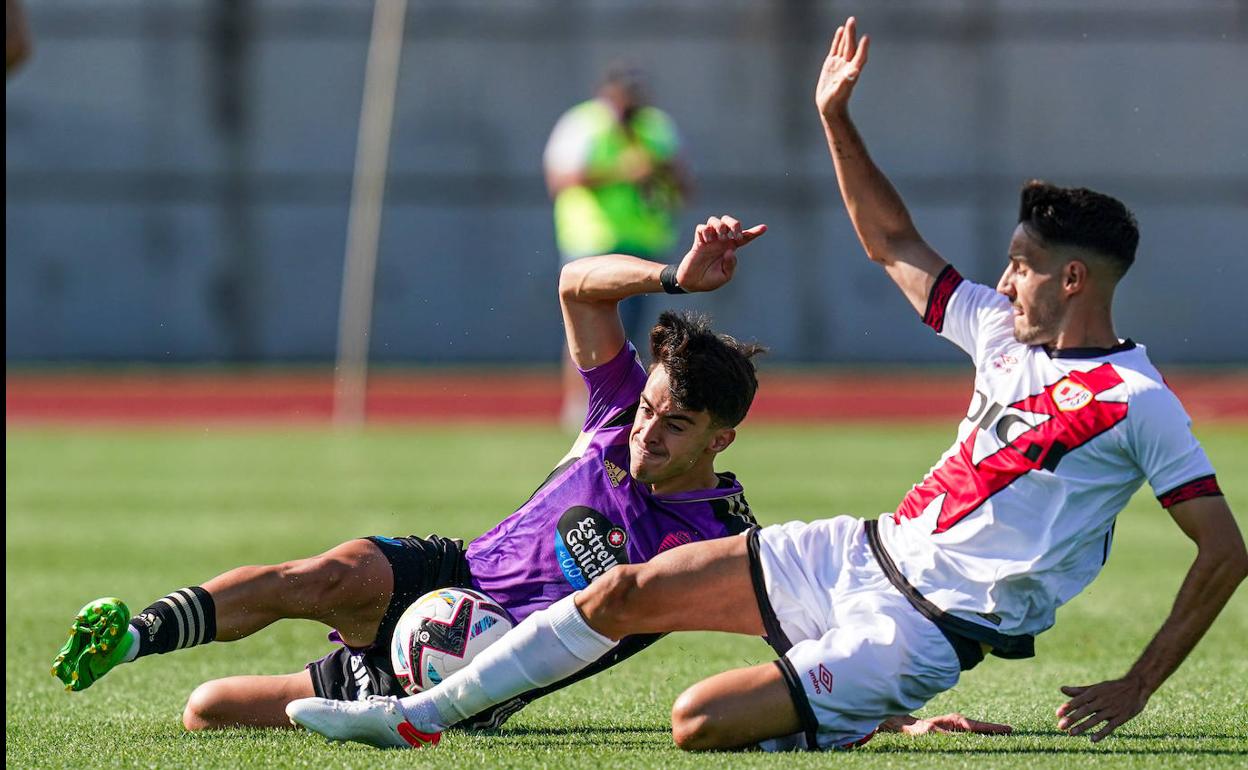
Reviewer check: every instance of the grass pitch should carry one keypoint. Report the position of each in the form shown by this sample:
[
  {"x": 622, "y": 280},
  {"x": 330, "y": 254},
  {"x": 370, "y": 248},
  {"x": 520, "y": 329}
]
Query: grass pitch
[{"x": 139, "y": 513}]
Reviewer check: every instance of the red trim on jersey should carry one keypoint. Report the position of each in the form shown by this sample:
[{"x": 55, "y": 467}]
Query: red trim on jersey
[
  {"x": 967, "y": 485},
  {"x": 858, "y": 743},
  {"x": 1205, "y": 486},
  {"x": 938, "y": 298}
]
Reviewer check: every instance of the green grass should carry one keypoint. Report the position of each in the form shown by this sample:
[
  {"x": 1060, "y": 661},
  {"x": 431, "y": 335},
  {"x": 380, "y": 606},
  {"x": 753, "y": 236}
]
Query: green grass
[{"x": 139, "y": 513}]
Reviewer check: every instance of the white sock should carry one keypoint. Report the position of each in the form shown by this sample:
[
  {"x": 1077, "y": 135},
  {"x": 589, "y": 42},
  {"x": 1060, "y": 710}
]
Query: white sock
[
  {"x": 133, "y": 652},
  {"x": 548, "y": 646}
]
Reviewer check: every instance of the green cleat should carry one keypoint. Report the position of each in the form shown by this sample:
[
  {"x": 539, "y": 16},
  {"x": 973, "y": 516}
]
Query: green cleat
[{"x": 97, "y": 642}]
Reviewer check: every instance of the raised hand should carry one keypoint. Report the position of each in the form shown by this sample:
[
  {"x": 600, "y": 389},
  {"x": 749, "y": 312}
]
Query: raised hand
[
  {"x": 712, "y": 259},
  {"x": 841, "y": 69},
  {"x": 1110, "y": 703}
]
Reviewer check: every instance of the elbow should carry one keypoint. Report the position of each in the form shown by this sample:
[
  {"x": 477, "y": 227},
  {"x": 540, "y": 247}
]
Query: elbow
[
  {"x": 1234, "y": 558},
  {"x": 1228, "y": 562},
  {"x": 571, "y": 278},
  {"x": 889, "y": 246},
  {"x": 1239, "y": 565}
]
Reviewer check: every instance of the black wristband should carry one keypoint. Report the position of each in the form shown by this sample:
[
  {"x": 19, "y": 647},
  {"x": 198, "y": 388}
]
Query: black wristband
[{"x": 668, "y": 279}]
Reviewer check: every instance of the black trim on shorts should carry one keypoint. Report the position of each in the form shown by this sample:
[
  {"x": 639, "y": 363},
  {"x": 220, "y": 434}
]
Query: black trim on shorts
[
  {"x": 775, "y": 635},
  {"x": 963, "y": 635},
  {"x": 805, "y": 713}
]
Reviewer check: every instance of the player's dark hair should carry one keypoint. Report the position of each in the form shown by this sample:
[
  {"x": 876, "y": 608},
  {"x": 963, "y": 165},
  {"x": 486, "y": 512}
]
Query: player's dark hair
[
  {"x": 1077, "y": 216},
  {"x": 707, "y": 371}
]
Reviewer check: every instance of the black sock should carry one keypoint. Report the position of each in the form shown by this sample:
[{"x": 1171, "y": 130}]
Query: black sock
[{"x": 184, "y": 618}]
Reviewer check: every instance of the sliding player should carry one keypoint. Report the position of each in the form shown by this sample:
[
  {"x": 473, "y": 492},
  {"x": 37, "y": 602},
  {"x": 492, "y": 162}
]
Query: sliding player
[{"x": 639, "y": 480}]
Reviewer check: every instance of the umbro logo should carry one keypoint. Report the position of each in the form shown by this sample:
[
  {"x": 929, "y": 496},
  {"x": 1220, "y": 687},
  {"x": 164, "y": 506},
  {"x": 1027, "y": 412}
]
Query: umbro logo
[
  {"x": 614, "y": 472},
  {"x": 821, "y": 678}
]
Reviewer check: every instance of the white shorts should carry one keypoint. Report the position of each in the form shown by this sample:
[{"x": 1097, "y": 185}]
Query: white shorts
[{"x": 854, "y": 651}]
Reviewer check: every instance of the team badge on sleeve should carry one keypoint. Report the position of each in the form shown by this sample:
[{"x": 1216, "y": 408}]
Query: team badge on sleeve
[{"x": 1069, "y": 395}]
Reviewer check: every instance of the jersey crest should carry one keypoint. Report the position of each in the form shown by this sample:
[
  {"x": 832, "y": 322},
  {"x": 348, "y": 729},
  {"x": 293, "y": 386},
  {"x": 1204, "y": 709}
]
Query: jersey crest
[{"x": 1034, "y": 433}]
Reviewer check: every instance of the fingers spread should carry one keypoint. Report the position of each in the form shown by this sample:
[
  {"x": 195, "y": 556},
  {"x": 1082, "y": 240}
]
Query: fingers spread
[
  {"x": 1072, "y": 689},
  {"x": 1087, "y": 724},
  {"x": 1074, "y": 715},
  {"x": 1105, "y": 731}
]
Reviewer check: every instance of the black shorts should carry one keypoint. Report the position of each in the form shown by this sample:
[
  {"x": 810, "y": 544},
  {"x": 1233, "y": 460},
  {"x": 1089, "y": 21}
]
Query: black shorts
[{"x": 420, "y": 565}]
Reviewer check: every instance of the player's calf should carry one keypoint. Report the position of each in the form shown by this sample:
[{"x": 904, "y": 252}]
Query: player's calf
[{"x": 347, "y": 588}]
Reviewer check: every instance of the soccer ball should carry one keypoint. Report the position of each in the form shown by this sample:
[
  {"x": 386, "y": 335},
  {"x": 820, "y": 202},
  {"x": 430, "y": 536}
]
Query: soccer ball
[{"x": 441, "y": 633}]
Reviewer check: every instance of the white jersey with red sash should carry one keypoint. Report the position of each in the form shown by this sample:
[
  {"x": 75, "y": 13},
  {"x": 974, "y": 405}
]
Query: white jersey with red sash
[{"x": 1017, "y": 516}]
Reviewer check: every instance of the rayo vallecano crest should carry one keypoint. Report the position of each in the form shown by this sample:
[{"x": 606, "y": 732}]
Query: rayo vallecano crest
[{"x": 1070, "y": 395}]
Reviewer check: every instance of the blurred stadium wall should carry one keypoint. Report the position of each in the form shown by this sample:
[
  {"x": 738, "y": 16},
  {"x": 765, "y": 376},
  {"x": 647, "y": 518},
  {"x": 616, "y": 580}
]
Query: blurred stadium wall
[{"x": 178, "y": 172}]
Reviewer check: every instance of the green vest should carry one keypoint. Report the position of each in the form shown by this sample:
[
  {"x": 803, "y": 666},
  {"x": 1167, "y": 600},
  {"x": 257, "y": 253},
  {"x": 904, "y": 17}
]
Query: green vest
[{"x": 620, "y": 217}]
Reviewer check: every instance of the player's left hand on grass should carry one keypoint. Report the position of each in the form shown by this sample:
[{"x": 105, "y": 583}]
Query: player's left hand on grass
[
  {"x": 712, "y": 259},
  {"x": 1113, "y": 703},
  {"x": 945, "y": 723}
]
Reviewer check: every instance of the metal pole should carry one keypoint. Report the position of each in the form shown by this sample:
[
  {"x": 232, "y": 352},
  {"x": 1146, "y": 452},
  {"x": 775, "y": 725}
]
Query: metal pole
[{"x": 355, "y": 313}]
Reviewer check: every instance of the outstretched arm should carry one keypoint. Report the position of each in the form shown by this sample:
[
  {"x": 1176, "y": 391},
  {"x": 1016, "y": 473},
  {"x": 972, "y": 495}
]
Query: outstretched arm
[
  {"x": 591, "y": 288},
  {"x": 880, "y": 217},
  {"x": 1221, "y": 565}
]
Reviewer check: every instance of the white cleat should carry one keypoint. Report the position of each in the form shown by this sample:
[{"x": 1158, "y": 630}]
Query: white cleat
[{"x": 378, "y": 721}]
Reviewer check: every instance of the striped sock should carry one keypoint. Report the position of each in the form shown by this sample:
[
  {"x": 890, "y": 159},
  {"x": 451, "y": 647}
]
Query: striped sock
[{"x": 184, "y": 618}]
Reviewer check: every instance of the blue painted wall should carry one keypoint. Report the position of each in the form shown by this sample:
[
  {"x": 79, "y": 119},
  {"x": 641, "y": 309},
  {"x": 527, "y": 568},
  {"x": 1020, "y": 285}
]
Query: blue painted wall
[{"x": 178, "y": 173}]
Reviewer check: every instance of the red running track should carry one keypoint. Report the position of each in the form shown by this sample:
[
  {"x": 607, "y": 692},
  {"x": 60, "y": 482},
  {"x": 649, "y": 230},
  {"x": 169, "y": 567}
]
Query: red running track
[{"x": 155, "y": 397}]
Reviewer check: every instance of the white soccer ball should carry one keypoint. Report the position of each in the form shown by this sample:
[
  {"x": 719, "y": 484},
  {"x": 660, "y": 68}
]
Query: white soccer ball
[{"x": 441, "y": 633}]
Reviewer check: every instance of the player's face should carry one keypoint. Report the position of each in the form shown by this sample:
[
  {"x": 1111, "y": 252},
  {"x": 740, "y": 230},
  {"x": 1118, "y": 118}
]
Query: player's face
[
  {"x": 1032, "y": 283},
  {"x": 667, "y": 443}
]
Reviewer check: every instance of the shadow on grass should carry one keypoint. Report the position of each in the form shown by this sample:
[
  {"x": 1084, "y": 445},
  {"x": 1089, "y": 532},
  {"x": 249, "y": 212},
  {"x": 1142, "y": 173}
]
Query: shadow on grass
[
  {"x": 573, "y": 731},
  {"x": 1131, "y": 736},
  {"x": 647, "y": 736},
  {"x": 1064, "y": 744}
]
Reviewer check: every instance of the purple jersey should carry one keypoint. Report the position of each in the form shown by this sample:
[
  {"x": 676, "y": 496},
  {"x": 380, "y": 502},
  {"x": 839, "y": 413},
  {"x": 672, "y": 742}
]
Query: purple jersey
[{"x": 590, "y": 514}]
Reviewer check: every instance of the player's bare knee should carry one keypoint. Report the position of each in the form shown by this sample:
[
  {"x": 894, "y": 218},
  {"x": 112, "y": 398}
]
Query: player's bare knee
[
  {"x": 203, "y": 708},
  {"x": 692, "y": 726}
]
